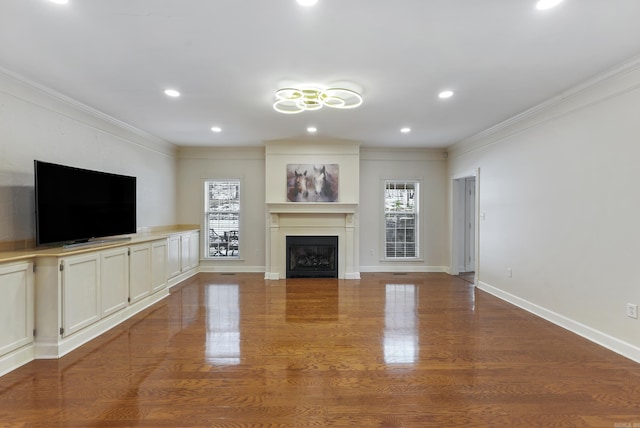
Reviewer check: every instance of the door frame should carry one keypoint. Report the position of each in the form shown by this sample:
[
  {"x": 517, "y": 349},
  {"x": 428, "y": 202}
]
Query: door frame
[{"x": 459, "y": 208}]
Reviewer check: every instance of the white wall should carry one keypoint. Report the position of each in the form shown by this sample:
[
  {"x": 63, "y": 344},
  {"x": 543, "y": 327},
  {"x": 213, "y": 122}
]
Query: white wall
[
  {"x": 280, "y": 153},
  {"x": 36, "y": 123},
  {"x": 428, "y": 166},
  {"x": 558, "y": 189},
  {"x": 247, "y": 164}
]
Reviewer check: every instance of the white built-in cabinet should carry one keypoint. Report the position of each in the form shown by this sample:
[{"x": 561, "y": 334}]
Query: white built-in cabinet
[
  {"x": 80, "y": 292},
  {"x": 139, "y": 272},
  {"x": 159, "y": 265},
  {"x": 173, "y": 256},
  {"x": 114, "y": 280},
  {"x": 190, "y": 243},
  {"x": 183, "y": 253},
  {"x": 73, "y": 296},
  {"x": 16, "y": 308}
]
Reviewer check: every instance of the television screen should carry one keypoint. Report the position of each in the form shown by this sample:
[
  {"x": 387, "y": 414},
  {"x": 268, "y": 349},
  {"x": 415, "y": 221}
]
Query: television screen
[{"x": 75, "y": 205}]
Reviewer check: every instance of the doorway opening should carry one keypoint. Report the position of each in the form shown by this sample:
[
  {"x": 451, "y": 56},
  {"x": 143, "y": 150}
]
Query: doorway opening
[{"x": 464, "y": 221}]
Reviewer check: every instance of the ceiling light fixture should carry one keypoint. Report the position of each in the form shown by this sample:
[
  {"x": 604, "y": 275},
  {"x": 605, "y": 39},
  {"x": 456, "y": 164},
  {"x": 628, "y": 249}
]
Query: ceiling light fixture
[
  {"x": 59, "y": 1},
  {"x": 216, "y": 129},
  {"x": 405, "y": 130},
  {"x": 547, "y": 4},
  {"x": 312, "y": 129},
  {"x": 445, "y": 94},
  {"x": 307, "y": 2},
  {"x": 308, "y": 98},
  {"x": 172, "y": 93}
]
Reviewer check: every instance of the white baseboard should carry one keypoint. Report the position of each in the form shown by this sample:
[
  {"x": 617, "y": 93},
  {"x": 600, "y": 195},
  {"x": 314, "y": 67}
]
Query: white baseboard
[
  {"x": 612, "y": 343},
  {"x": 404, "y": 268},
  {"x": 272, "y": 276},
  {"x": 12, "y": 360},
  {"x": 233, "y": 269},
  {"x": 181, "y": 277}
]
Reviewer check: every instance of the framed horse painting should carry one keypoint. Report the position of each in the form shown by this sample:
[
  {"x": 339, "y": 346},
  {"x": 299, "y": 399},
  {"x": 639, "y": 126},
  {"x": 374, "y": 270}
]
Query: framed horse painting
[{"x": 312, "y": 183}]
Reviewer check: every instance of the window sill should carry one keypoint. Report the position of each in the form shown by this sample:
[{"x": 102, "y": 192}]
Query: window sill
[{"x": 403, "y": 259}]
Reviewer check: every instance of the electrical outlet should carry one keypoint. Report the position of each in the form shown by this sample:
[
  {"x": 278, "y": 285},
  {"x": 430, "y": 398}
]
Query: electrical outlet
[{"x": 632, "y": 310}]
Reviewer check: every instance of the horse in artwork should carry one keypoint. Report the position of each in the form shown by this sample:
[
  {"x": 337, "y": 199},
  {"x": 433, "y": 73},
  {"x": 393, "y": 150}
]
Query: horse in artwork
[
  {"x": 312, "y": 183},
  {"x": 297, "y": 189},
  {"x": 322, "y": 186}
]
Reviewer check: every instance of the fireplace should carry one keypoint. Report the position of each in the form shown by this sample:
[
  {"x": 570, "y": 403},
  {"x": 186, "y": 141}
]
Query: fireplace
[{"x": 312, "y": 256}]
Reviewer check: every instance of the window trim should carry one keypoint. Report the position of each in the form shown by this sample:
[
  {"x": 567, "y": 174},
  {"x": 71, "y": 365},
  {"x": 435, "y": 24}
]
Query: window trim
[
  {"x": 204, "y": 213},
  {"x": 418, "y": 221}
]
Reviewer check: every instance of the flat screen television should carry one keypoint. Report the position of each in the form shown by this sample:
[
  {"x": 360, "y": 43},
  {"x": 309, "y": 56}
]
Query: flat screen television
[{"x": 78, "y": 205}]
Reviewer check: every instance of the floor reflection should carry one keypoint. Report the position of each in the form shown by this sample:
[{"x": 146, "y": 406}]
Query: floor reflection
[
  {"x": 223, "y": 324},
  {"x": 400, "y": 324},
  {"x": 307, "y": 302}
]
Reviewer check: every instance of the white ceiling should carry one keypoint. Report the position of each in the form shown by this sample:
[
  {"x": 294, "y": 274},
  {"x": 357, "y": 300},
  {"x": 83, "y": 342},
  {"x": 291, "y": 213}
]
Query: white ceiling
[{"x": 227, "y": 57}]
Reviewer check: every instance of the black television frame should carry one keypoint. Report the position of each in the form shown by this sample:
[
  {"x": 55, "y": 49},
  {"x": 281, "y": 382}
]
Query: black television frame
[{"x": 76, "y": 206}]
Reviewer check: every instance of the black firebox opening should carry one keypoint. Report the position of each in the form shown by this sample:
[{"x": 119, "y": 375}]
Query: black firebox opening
[{"x": 312, "y": 256}]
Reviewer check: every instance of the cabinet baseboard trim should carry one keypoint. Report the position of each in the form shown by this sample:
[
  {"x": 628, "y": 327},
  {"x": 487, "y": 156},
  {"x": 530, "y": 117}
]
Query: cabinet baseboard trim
[
  {"x": 17, "y": 358},
  {"x": 56, "y": 349},
  {"x": 181, "y": 277}
]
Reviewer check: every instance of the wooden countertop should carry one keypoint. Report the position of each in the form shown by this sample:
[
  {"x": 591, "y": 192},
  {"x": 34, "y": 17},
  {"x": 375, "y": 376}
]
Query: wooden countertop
[{"x": 59, "y": 251}]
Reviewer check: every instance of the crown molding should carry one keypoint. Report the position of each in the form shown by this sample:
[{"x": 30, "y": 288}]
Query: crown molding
[
  {"x": 137, "y": 136},
  {"x": 575, "y": 98},
  {"x": 221, "y": 153}
]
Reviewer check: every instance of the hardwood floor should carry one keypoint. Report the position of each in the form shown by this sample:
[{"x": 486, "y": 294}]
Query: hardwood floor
[
  {"x": 467, "y": 276},
  {"x": 414, "y": 350}
]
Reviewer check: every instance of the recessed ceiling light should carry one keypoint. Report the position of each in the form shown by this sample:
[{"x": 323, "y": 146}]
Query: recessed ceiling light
[
  {"x": 312, "y": 129},
  {"x": 59, "y": 1},
  {"x": 405, "y": 130},
  {"x": 547, "y": 4},
  {"x": 445, "y": 94},
  {"x": 307, "y": 2},
  {"x": 216, "y": 129},
  {"x": 172, "y": 93}
]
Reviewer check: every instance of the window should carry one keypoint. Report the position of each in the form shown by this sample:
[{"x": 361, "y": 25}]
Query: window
[
  {"x": 401, "y": 219},
  {"x": 222, "y": 218}
]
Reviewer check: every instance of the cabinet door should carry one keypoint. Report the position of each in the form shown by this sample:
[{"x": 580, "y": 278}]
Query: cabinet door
[
  {"x": 139, "y": 272},
  {"x": 158, "y": 265},
  {"x": 185, "y": 249},
  {"x": 114, "y": 280},
  {"x": 173, "y": 256},
  {"x": 80, "y": 292},
  {"x": 194, "y": 251},
  {"x": 16, "y": 306}
]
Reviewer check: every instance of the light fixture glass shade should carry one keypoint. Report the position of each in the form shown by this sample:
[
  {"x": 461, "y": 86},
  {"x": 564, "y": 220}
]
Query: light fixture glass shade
[{"x": 309, "y": 98}]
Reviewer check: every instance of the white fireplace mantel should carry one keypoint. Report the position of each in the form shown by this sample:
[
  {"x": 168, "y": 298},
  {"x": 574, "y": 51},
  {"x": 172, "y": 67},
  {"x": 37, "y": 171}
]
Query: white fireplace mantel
[
  {"x": 297, "y": 218},
  {"x": 338, "y": 218},
  {"x": 312, "y": 208}
]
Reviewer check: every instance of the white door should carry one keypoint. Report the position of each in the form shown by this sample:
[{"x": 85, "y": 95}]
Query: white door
[{"x": 470, "y": 225}]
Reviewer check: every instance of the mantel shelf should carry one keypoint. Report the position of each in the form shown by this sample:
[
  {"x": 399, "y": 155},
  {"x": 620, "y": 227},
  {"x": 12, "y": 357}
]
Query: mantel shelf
[{"x": 312, "y": 208}]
